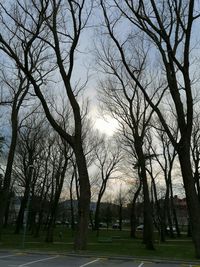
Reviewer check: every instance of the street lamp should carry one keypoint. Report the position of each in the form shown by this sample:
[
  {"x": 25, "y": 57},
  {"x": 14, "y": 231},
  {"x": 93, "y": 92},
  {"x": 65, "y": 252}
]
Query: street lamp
[{"x": 28, "y": 204}]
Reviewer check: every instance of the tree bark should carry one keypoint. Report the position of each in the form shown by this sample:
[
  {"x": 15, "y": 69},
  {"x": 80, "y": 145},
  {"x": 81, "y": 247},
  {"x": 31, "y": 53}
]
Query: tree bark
[
  {"x": 4, "y": 196},
  {"x": 161, "y": 212},
  {"x": 100, "y": 195},
  {"x": 71, "y": 202},
  {"x": 133, "y": 218},
  {"x": 148, "y": 219},
  {"x": 191, "y": 194},
  {"x": 173, "y": 210},
  {"x": 20, "y": 217},
  {"x": 84, "y": 199},
  {"x": 96, "y": 216},
  {"x": 6, "y": 217}
]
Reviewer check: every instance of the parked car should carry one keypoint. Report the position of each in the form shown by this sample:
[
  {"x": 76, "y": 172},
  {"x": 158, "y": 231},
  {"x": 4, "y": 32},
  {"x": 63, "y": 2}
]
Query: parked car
[
  {"x": 140, "y": 227},
  {"x": 173, "y": 229},
  {"x": 66, "y": 223},
  {"x": 58, "y": 222},
  {"x": 116, "y": 226},
  {"x": 102, "y": 225}
]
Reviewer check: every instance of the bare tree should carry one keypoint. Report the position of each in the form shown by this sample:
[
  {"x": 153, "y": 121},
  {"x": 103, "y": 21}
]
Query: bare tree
[
  {"x": 15, "y": 89},
  {"x": 108, "y": 158},
  {"x": 49, "y": 32},
  {"x": 168, "y": 26},
  {"x": 165, "y": 209},
  {"x": 120, "y": 97},
  {"x": 60, "y": 160},
  {"x": 27, "y": 167},
  {"x": 120, "y": 201},
  {"x": 44, "y": 183},
  {"x": 73, "y": 177},
  {"x": 134, "y": 197}
]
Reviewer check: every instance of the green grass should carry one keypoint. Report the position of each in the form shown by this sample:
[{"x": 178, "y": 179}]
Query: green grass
[{"x": 119, "y": 244}]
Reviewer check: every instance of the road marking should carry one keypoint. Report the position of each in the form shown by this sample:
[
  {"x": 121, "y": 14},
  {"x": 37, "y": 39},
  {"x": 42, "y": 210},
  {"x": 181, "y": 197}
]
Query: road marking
[
  {"x": 140, "y": 265},
  {"x": 88, "y": 263},
  {"x": 32, "y": 262},
  {"x": 7, "y": 256}
]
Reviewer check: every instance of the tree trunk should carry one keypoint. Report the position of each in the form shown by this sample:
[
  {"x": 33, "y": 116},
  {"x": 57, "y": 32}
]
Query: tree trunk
[
  {"x": 20, "y": 217},
  {"x": 174, "y": 210},
  {"x": 96, "y": 216},
  {"x": 148, "y": 219},
  {"x": 71, "y": 202},
  {"x": 50, "y": 230},
  {"x": 39, "y": 223},
  {"x": 32, "y": 221},
  {"x": 84, "y": 199},
  {"x": 51, "y": 223},
  {"x": 91, "y": 220},
  {"x": 167, "y": 202},
  {"x": 41, "y": 211},
  {"x": 191, "y": 194},
  {"x": 196, "y": 178},
  {"x": 7, "y": 178},
  {"x": 120, "y": 216},
  {"x": 59, "y": 177},
  {"x": 160, "y": 212},
  {"x": 7, "y": 212},
  {"x": 133, "y": 219},
  {"x": 170, "y": 224}
]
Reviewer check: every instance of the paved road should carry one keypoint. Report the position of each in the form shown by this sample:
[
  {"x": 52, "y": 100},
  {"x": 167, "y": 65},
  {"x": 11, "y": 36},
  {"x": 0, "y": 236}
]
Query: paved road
[{"x": 36, "y": 260}]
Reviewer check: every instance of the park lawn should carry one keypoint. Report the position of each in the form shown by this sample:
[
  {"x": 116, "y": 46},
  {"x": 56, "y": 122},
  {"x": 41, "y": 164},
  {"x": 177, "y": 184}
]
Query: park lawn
[{"x": 108, "y": 243}]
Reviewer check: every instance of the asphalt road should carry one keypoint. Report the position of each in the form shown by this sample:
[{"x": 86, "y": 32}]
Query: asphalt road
[{"x": 10, "y": 259}]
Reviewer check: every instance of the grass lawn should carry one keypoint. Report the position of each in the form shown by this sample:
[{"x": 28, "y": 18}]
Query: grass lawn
[{"x": 109, "y": 242}]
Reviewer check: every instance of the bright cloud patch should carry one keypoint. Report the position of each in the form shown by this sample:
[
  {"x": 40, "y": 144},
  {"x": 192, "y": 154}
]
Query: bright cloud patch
[{"x": 107, "y": 126}]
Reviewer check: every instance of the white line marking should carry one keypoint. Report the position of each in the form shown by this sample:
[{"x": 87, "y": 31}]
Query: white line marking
[
  {"x": 7, "y": 256},
  {"x": 32, "y": 262},
  {"x": 88, "y": 263},
  {"x": 140, "y": 265}
]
